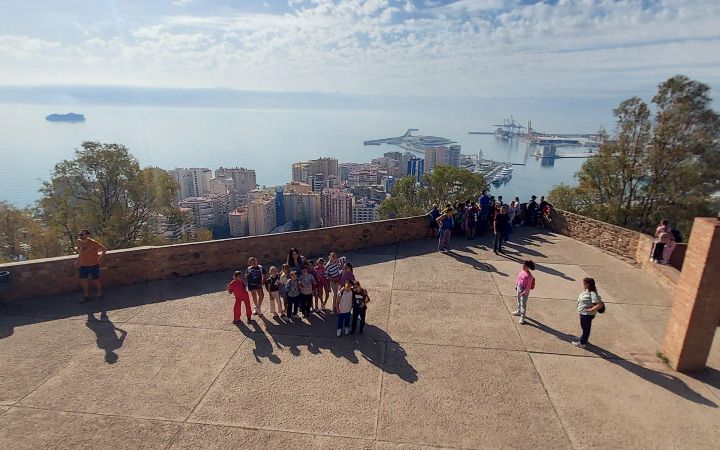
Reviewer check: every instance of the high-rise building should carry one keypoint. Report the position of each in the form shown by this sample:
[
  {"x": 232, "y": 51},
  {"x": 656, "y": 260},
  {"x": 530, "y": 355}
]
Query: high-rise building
[
  {"x": 336, "y": 207},
  {"x": 191, "y": 182},
  {"x": 442, "y": 156},
  {"x": 280, "y": 205},
  {"x": 243, "y": 179},
  {"x": 173, "y": 232},
  {"x": 303, "y": 209},
  {"x": 366, "y": 176},
  {"x": 300, "y": 171},
  {"x": 297, "y": 186},
  {"x": 326, "y": 166},
  {"x": 219, "y": 185},
  {"x": 262, "y": 215},
  {"x": 365, "y": 211},
  {"x": 415, "y": 168},
  {"x": 344, "y": 170},
  {"x": 211, "y": 210},
  {"x": 238, "y": 219},
  {"x": 201, "y": 209}
]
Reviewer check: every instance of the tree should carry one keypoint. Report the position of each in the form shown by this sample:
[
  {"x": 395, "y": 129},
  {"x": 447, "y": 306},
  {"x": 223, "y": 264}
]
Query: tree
[
  {"x": 649, "y": 173},
  {"x": 104, "y": 189},
  {"x": 444, "y": 185},
  {"x": 24, "y": 236}
]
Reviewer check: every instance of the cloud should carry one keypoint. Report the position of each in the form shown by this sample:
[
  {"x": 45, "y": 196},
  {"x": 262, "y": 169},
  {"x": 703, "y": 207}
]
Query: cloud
[{"x": 460, "y": 48}]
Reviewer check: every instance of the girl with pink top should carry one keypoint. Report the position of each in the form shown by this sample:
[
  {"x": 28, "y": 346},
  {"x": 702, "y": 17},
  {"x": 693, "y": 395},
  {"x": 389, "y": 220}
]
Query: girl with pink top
[{"x": 524, "y": 283}]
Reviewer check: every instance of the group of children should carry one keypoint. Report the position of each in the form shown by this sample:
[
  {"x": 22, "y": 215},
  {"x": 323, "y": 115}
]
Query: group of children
[{"x": 302, "y": 287}]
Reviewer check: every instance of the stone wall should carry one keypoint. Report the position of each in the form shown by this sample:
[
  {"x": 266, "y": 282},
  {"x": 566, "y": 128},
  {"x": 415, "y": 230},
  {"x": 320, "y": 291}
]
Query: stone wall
[
  {"x": 611, "y": 238},
  {"x": 58, "y": 275}
]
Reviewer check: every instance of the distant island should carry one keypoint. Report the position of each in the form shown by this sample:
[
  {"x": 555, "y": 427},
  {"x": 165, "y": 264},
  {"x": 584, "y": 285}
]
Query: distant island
[{"x": 69, "y": 117}]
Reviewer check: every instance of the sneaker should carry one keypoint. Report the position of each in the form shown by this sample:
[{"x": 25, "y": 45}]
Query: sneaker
[
  {"x": 347, "y": 331},
  {"x": 578, "y": 344},
  {"x": 339, "y": 332},
  {"x": 522, "y": 320},
  {"x": 516, "y": 313}
]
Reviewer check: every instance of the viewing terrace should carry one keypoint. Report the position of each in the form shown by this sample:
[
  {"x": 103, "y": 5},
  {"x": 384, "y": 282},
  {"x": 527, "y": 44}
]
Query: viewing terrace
[{"x": 442, "y": 363}]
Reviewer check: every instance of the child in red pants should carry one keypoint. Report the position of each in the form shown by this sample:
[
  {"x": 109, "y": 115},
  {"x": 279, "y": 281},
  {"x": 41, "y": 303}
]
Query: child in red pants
[{"x": 237, "y": 287}]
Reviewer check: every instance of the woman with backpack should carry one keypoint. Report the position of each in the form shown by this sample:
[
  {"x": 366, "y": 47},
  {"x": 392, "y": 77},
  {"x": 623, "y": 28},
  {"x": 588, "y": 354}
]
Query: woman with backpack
[
  {"x": 255, "y": 276},
  {"x": 589, "y": 303},
  {"x": 523, "y": 284}
]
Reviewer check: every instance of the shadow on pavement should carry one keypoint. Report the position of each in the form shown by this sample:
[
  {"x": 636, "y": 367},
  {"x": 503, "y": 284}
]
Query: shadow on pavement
[
  {"x": 317, "y": 334},
  {"x": 664, "y": 380},
  {"x": 106, "y": 338}
]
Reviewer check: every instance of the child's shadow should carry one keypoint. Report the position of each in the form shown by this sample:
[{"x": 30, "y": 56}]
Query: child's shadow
[{"x": 263, "y": 347}]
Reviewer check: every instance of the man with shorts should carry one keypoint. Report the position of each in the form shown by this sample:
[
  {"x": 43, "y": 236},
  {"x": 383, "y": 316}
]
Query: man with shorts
[{"x": 88, "y": 262}]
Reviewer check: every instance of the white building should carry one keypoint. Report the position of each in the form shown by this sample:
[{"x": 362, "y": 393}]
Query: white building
[
  {"x": 365, "y": 211},
  {"x": 194, "y": 182},
  {"x": 201, "y": 209}
]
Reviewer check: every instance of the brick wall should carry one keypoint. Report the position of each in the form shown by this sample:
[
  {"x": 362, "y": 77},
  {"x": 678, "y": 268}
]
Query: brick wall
[{"x": 58, "y": 275}]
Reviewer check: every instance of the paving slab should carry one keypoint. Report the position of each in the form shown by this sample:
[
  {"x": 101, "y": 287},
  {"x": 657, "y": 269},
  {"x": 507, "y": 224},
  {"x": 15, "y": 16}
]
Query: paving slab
[
  {"x": 552, "y": 325},
  {"x": 557, "y": 281},
  {"x": 468, "y": 397},
  {"x": 382, "y": 445},
  {"x": 158, "y": 373},
  {"x": 653, "y": 318},
  {"x": 619, "y": 404},
  {"x": 332, "y": 387},
  {"x": 27, "y": 428},
  {"x": 209, "y": 311},
  {"x": 465, "y": 320},
  {"x": 323, "y": 324},
  {"x": 448, "y": 275},
  {"x": 378, "y": 275},
  {"x": 629, "y": 284},
  {"x": 32, "y": 350}
]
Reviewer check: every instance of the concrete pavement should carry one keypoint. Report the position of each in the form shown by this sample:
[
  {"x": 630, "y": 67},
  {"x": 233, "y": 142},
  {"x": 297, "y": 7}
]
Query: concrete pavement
[{"x": 442, "y": 363}]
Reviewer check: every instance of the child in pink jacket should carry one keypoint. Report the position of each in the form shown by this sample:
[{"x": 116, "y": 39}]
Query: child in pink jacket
[{"x": 525, "y": 281}]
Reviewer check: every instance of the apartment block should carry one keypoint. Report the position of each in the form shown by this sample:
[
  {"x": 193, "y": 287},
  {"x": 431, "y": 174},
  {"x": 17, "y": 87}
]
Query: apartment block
[
  {"x": 365, "y": 210},
  {"x": 244, "y": 179},
  {"x": 336, "y": 207},
  {"x": 193, "y": 182},
  {"x": 262, "y": 215},
  {"x": 303, "y": 209},
  {"x": 239, "y": 224}
]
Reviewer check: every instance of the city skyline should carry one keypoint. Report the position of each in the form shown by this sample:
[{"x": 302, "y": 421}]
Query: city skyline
[{"x": 364, "y": 47}]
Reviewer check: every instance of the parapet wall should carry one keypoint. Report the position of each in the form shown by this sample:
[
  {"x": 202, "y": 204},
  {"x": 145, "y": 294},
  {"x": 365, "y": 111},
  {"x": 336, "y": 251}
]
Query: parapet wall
[
  {"x": 611, "y": 238},
  {"x": 52, "y": 276}
]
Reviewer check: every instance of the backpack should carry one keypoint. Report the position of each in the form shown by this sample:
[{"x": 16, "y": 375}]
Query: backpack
[
  {"x": 532, "y": 285},
  {"x": 255, "y": 276}
]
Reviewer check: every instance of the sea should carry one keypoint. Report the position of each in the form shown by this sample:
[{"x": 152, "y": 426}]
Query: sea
[{"x": 269, "y": 140}]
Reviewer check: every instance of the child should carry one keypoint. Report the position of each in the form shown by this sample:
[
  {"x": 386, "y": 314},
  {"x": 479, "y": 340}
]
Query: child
[
  {"x": 292, "y": 290},
  {"x": 284, "y": 277},
  {"x": 315, "y": 302},
  {"x": 360, "y": 301},
  {"x": 237, "y": 287},
  {"x": 524, "y": 283},
  {"x": 332, "y": 273},
  {"x": 255, "y": 275},
  {"x": 344, "y": 307},
  {"x": 347, "y": 274},
  {"x": 272, "y": 284},
  {"x": 306, "y": 291},
  {"x": 323, "y": 282}
]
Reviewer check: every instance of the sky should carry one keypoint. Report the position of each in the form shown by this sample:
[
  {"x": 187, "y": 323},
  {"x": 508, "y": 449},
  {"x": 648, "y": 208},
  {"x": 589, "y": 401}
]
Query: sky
[{"x": 460, "y": 48}]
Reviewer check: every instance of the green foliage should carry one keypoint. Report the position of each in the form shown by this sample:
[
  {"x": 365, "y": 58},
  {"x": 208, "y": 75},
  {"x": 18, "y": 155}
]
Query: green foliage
[
  {"x": 647, "y": 173},
  {"x": 23, "y": 236},
  {"x": 444, "y": 185},
  {"x": 105, "y": 190}
]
